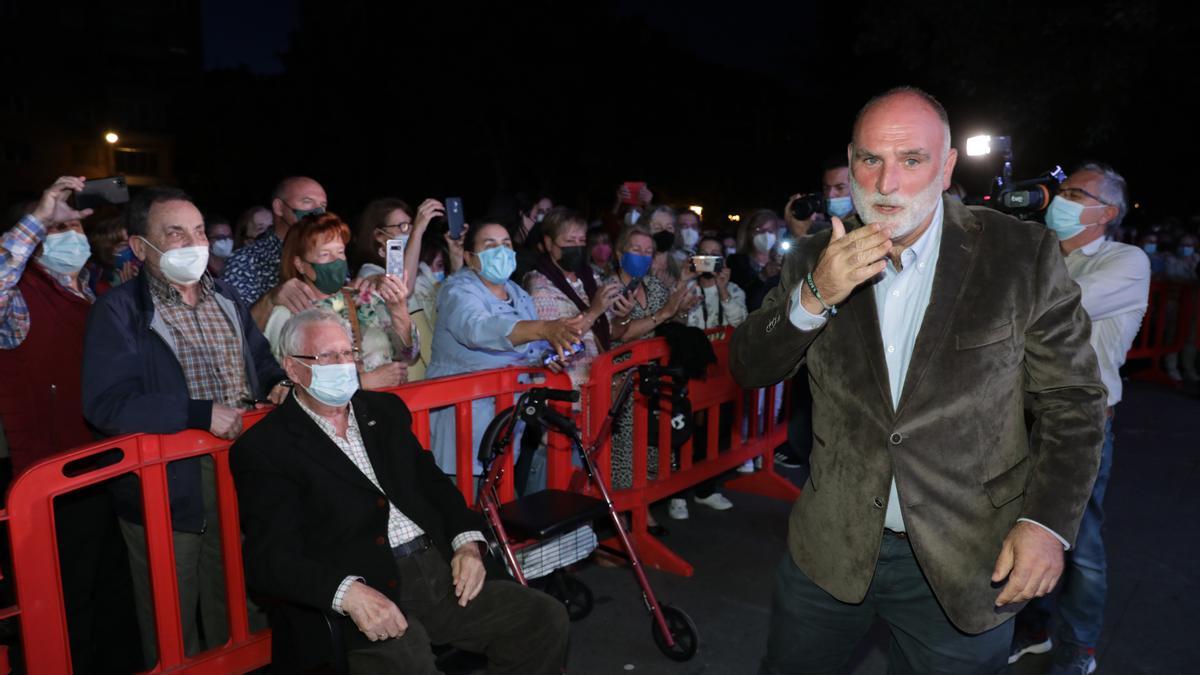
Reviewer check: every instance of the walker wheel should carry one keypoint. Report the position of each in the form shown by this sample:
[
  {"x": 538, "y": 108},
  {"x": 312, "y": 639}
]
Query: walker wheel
[
  {"x": 572, "y": 593},
  {"x": 683, "y": 634}
]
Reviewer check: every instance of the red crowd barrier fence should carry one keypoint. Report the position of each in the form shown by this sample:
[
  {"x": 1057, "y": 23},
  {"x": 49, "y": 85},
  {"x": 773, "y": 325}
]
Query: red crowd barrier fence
[
  {"x": 1167, "y": 326},
  {"x": 30, "y": 514}
]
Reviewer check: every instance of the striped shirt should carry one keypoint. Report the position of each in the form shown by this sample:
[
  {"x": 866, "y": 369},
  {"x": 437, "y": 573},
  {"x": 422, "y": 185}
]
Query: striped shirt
[
  {"x": 206, "y": 343},
  {"x": 16, "y": 248}
]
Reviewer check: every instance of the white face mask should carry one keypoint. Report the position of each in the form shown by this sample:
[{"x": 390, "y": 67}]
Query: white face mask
[
  {"x": 763, "y": 241},
  {"x": 222, "y": 248},
  {"x": 690, "y": 237},
  {"x": 182, "y": 265}
]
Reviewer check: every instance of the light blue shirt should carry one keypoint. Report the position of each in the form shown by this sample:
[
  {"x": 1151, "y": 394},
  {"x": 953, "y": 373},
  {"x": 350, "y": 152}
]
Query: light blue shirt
[
  {"x": 470, "y": 335},
  {"x": 901, "y": 297}
]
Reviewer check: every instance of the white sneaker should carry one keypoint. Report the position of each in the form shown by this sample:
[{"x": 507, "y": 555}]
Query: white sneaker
[
  {"x": 716, "y": 501},
  {"x": 746, "y": 467},
  {"x": 677, "y": 509}
]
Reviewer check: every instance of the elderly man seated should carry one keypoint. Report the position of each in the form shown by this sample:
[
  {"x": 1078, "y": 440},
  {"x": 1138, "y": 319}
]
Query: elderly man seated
[{"x": 349, "y": 525}]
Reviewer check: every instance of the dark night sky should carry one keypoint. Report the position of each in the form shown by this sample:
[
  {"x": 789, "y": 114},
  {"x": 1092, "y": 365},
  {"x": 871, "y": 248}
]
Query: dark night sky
[{"x": 1068, "y": 81}]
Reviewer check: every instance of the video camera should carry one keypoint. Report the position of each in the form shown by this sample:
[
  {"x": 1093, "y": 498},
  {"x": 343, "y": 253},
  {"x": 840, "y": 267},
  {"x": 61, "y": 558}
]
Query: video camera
[
  {"x": 805, "y": 206},
  {"x": 1025, "y": 199}
]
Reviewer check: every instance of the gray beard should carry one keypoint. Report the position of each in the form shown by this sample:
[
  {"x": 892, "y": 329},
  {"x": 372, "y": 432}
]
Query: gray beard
[{"x": 916, "y": 210}]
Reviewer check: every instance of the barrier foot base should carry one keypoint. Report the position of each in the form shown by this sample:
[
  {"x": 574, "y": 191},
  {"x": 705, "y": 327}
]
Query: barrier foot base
[
  {"x": 653, "y": 554},
  {"x": 766, "y": 483}
]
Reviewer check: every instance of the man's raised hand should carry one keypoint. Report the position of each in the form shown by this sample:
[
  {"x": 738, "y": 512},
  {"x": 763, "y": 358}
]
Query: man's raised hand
[{"x": 848, "y": 261}]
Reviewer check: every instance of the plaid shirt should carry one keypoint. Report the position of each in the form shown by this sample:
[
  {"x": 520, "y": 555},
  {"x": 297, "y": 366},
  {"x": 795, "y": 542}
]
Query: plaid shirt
[
  {"x": 16, "y": 248},
  {"x": 254, "y": 269},
  {"x": 206, "y": 343},
  {"x": 401, "y": 528}
]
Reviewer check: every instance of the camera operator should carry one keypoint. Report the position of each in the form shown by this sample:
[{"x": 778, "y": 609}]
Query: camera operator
[
  {"x": 1114, "y": 280},
  {"x": 807, "y": 214}
]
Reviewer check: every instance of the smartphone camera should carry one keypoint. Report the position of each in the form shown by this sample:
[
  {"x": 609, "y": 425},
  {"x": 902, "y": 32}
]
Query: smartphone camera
[{"x": 710, "y": 264}]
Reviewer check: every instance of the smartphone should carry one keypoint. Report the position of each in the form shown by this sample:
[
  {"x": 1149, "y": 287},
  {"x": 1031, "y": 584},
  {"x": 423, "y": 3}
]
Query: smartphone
[
  {"x": 630, "y": 287},
  {"x": 395, "y": 256},
  {"x": 635, "y": 188},
  {"x": 102, "y": 192},
  {"x": 708, "y": 263},
  {"x": 454, "y": 217},
  {"x": 552, "y": 356}
]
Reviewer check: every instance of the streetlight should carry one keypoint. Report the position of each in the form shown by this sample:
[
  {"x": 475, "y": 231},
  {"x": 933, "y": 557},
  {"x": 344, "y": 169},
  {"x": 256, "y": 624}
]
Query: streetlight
[{"x": 111, "y": 138}]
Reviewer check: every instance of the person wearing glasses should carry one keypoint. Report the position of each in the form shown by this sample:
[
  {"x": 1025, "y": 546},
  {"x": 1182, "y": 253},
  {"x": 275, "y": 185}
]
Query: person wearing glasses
[
  {"x": 314, "y": 253},
  {"x": 1114, "y": 283},
  {"x": 370, "y": 552},
  {"x": 175, "y": 349}
]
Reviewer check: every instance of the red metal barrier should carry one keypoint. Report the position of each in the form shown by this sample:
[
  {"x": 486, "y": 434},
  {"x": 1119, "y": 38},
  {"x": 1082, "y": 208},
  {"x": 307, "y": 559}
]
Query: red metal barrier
[
  {"x": 765, "y": 433},
  {"x": 40, "y": 606},
  {"x": 1158, "y": 337}
]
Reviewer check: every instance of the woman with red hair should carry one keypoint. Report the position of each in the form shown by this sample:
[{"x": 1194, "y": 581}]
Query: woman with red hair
[{"x": 384, "y": 336}]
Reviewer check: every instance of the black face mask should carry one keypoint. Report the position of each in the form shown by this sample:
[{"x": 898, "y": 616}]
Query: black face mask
[
  {"x": 572, "y": 257},
  {"x": 663, "y": 241}
]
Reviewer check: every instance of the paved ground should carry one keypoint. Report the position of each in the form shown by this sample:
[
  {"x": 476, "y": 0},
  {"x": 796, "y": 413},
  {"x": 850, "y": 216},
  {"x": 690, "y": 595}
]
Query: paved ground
[{"x": 1153, "y": 536}]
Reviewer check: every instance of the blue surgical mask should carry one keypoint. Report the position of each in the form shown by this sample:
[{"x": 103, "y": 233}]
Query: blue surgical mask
[
  {"x": 1150, "y": 249},
  {"x": 439, "y": 276},
  {"x": 65, "y": 252},
  {"x": 497, "y": 264},
  {"x": 123, "y": 258},
  {"x": 636, "y": 265},
  {"x": 1186, "y": 251},
  {"x": 333, "y": 384},
  {"x": 840, "y": 206},
  {"x": 1062, "y": 217}
]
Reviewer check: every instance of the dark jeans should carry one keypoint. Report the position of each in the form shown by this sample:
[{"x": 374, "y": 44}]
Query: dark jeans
[
  {"x": 1084, "y": 585},
  {"x": 813, "y": 632},
  {"x": 520, "y": 630}
]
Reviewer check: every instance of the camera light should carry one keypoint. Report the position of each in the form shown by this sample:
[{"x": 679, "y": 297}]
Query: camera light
[
  {"x": 785, "y": 246},
  {"x": 111, "y": 138},
  {"x": 698, "y": 210},
  {"x": 979, "y": 145}
]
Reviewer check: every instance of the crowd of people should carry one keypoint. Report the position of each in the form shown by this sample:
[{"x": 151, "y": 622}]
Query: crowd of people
[{"x": 161, "y": 318}]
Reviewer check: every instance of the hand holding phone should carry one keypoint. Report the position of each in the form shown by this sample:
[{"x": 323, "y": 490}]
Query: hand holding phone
[{"x": 634, "y": 189}]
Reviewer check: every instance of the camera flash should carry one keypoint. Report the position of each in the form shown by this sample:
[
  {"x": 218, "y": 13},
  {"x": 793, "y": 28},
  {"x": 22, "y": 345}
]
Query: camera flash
[{"x": 979, "y": 145}]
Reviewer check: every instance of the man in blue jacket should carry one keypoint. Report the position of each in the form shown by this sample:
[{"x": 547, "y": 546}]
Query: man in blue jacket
[{"x": 175, "y": 349}]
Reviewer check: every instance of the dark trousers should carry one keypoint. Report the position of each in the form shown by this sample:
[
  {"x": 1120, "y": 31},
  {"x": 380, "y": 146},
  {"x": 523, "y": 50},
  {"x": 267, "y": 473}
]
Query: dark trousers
[
  {"x": 520, "y": 630},
  {"x": 813, "y": 632}
]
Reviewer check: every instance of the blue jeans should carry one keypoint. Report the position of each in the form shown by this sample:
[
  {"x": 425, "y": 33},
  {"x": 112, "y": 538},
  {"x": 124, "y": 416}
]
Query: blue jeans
[{"x": 1085, "y": 580}]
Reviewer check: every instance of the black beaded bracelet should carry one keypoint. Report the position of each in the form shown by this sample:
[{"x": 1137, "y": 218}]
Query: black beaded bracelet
[{"x": 831, "y": 310}]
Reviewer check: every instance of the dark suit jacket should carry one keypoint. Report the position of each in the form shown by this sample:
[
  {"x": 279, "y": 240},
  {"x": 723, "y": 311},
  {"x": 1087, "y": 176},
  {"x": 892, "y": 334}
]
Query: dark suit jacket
[
  {"x": 1003, "y": 321},
  {"x": 311, "y": 518}
]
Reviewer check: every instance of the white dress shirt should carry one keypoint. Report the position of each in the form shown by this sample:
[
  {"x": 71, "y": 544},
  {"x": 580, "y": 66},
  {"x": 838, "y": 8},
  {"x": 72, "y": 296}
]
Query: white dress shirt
[{"x": 1114, "y": 280}]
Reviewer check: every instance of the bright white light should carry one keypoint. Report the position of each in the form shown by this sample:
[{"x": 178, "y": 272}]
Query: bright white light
[
  {"x": 785, "y": 246},
  {"x": 979, "y": 145},
  {"x": 111, "y": 137},
  {"x": 698, "y": 210}
]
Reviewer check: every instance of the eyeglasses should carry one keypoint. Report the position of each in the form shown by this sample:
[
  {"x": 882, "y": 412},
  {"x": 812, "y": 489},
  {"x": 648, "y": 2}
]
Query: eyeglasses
[
  {"x": 329, "y": 358},
  {"x": 1074, "y": 194},
  {"x": 403, "y": 227}
]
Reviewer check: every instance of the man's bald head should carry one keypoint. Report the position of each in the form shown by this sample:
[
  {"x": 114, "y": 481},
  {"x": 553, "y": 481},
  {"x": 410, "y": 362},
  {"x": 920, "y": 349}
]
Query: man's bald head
[
  {"x": 908, "y": 99},
  {"x": 293, "y": 197}
]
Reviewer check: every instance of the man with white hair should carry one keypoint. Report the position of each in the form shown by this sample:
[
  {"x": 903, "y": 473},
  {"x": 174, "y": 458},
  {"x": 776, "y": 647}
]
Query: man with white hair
[
  {"x": 1114, "y": 280},
  {"x": 925, "y": 324},
  {"x": 369, "y": 548}
]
